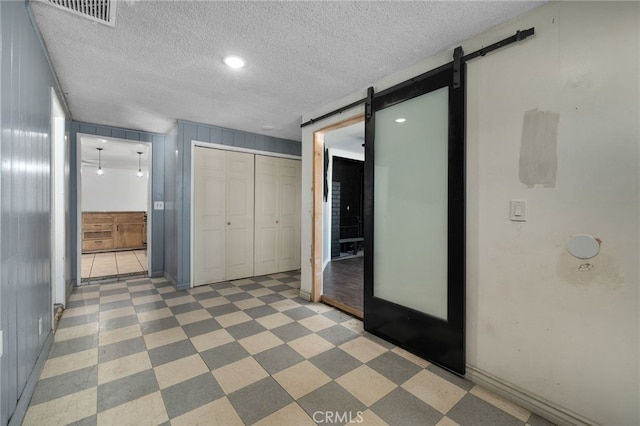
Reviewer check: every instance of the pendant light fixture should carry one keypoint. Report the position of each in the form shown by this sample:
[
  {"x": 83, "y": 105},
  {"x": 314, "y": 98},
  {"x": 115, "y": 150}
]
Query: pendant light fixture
[
  {"x": 139, "y": 164},
  {"x": 100, "y": 172}
]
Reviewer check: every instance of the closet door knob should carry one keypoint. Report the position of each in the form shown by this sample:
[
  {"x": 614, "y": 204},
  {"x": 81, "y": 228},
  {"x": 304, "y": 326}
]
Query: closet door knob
[
  {"x": 277, "y": 221},
  {"x": 228, "y": 223}
]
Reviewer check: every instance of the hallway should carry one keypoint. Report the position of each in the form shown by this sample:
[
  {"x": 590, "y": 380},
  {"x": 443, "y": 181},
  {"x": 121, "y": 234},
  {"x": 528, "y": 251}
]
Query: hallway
[{"x": 244, "y": 352}]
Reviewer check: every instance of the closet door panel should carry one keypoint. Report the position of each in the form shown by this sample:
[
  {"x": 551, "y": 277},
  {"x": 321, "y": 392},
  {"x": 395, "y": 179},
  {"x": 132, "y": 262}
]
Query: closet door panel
[
  {"x": 240, "y": 215},
  {"x": 209, "y": 216},
  {"x": 266, "y": 216},
  {"x": 289, "y": 214}
]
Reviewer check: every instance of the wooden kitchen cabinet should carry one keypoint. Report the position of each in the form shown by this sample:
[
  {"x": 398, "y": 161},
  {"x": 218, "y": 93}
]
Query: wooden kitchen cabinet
[{"x": 102, "y": 231}]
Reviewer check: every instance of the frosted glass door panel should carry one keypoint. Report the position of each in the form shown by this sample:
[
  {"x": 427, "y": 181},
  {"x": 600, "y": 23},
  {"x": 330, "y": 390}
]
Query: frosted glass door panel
[{"x": 410, "y": 203}]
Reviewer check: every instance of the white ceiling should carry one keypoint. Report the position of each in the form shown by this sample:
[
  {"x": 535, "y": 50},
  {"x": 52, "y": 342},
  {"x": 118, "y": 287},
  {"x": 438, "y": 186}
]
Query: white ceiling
[
  {"x": 163, "y": 59},
  {"x": 349, "y": 138},
  {"x": 116, "y": 154}
]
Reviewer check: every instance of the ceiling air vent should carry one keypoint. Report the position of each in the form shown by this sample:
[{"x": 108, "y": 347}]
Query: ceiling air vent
[{"x": 102, "y": 11}]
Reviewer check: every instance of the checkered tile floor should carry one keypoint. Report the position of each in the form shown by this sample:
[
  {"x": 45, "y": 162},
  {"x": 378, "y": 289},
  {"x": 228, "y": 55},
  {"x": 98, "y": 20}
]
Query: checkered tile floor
[{"x": 244, "y": 352}]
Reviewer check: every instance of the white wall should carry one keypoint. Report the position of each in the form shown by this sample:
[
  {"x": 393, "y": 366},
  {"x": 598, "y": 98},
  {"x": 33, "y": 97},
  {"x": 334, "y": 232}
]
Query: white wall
[
  {"x": 567, "y": 342},
  {"x": 115, "y": 190}
]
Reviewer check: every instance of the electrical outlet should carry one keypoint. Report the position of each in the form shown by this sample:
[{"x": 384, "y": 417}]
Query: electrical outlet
[{"x": 158, "y": 205}]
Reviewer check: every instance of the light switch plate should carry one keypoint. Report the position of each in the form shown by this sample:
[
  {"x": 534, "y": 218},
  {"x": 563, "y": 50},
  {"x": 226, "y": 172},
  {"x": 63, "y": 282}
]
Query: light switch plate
[
  {"x": 158, "y": 205},
  {"x": 518, "y": 211}
]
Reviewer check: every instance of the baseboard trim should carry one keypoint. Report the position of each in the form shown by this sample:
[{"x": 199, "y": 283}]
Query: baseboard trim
[
  {"x": 156, "y": 274},
  {"x": 176, "y": 284},
  {"x": 542, "y": 407},
  {"x": 304, "y": 295},
  {"x": 23, "y": 403}
]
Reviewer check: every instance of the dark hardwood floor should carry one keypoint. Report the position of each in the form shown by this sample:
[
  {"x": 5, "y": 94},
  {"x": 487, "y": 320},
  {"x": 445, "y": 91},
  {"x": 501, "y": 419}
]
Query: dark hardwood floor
[{"x": 343, "y": 281}]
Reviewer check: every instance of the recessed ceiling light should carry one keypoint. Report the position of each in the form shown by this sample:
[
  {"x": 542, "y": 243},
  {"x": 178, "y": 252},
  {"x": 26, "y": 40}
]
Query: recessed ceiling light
[
  {"x": 400, "y": 120},
  {"x": 234, "y": 62}
]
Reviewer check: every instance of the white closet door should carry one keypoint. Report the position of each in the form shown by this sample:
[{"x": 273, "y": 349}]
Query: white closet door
[
  {"x": 289, "y": 215},
  {"x": 266, "y": 235},
  {"x": 240, "y": 211},
  {"x": 209, "y": 216}
]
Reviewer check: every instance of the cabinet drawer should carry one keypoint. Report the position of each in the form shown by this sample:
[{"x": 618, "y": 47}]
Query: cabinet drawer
[
  {"x": 128, "y": 218},
  {"x": 88, "y": 245},
  {"x": 97, "y": 235},
  {"x": 89, "y": 219},
  {"x": 97, "y": 227}
]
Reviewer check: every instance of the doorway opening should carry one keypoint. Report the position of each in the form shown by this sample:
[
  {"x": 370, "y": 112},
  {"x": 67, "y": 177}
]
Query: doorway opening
[
  {"x": 338, "y": 216},
  {"x": 59, "y": 205},
  {"x": 114, "y": 206}
]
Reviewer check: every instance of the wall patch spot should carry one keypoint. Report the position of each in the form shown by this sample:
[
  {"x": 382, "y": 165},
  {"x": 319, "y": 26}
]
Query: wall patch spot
[{"x": 538, "y": 148}]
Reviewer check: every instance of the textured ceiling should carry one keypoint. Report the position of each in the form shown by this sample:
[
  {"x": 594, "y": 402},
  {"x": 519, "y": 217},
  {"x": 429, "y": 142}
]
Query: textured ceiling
[
  {"x": 115, "y": 154},
  {"x": 163, "y": 59}
]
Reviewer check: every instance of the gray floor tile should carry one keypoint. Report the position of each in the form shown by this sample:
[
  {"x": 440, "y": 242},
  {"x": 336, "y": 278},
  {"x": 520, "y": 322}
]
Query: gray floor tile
[
  {"x": 143, "y": 293},
  {"x": 65, "y": 384},
  {"x": 114, "y": 291},
  {"x": 117, "y": 350},
  {"x": 288, "y": 280},
  {"x": 394, "y": 367},
  {"x": 279, "y": 288},
  {"x": 191, "y": 394},
  {"x": 337, "y": 334},
  {"x": 185, "y": 307},
  {"x": 471, "y": 410},
  {"x": 73, "y": 345},
  {"x": 335, "y": 362},
  {"x": 290, "y": 331},
  {"x": 146, "y": 307},
  {"x": 135, "y": 283},
  {"x": 331, "y": 398},
  {"x": 201, "y": 327},
  {"x": 174, "y": 294},
  {"x": 115, "y": 305},
  {"x": 126, "y": 389},
  {"x": 399, "y": 407},
  {"x": 271, "y": 298},
  {"x": 536, "y": 420},
  {"x": 262, "y": 278},
  {"x": 220, "y": 310},
  {"x": 260, "y": 311},
  {"x": 299, "y": 313},
  {"x": 66, "y": 322},
  {"x": 461, "y": 382},
  {"x": 278, "y": 358},
  {"x": 249, "y": 287},
  {"x": 223, "y": 355},
  {"x": 159, "y": 325},
  {"x": 171, "y": 352},
  {"x": 87, "y": 421},
  {"x": 221, "y": 285},
  {"x": 207, "y": 295},
  {"x": 114, "y": 323},
  {"x": 337, "y": 316},
  {"x": 252, "y": 408},
  {"x": 238, "y": 296},
  {"x": 245, "y": 329},
  {"x": 85, "y": 302}
]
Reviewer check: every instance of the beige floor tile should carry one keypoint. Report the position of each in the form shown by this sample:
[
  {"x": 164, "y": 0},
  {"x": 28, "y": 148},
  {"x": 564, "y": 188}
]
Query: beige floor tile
[
  {"x": 117, "y": 313},
  {"x": 354, "y": 325},
  {"x": 72, "y": 362},
  {"x": 144, "y": 287},
  {"x": 434, "y": 390},
  {"x": 446, "y": 421},
  {"x": 80, "y": 310},
  {"x": 319, "y": 308},
  {"x": 248, "y": 303},
  {"x": 63, "y": 410},
  {"x": 301, "y": 379},
  {"x": 180, "y": 370},
  {"x": 239, "y": 374},
  {"x": 180, "y": 300},
  {"x": 215, "y": 301},
  {"x": 154, "y": 315},
  {"x": 129, "y": 268},
  {"x": 285, "y": 305},
  {"x": 230, "y": 290},
  {"x": 76, "y": 331},
  {"x": 260, "y": 342},
  {"x": 200, "y": 289},
  {"x": 310, "y": 345},
  {"x": 193, "y": 316},
  {"x": 363, "y": 349},
  {"x": 167, "y": 289},
  {"x": 86, "y": 295},
  {"x": 317, "y": 322},
  {"x": 278, "y": 276},
  {"x": 146, "y": 299},
  {"x": 113, "y": 286},
  {"x": 292, "y": 414},
  {"x": 274, "y": 320},
  {"x": 369, "y": 418},
  {"x": 122, "y": 367},
  {"x": 260, "y": 292},
  {"x": 270, "y": 283},
  {"x": 148, "y": 410},
  {"x": 498, "y": 401},
  {"x": 411, "y": 357},
  {"x": 290, "y": 293},
  {"x": 164, "y": 337},
  {"x": 115, "y": 298},
  {"x": 86, "y": 265},
  {"x": 211, "y": 340},
  {"x": 219, "y": 412},
  {"x": 366, "y": 384},
  {"x": 119, "y": 335},
  {"x": 233, "y": 318}
]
